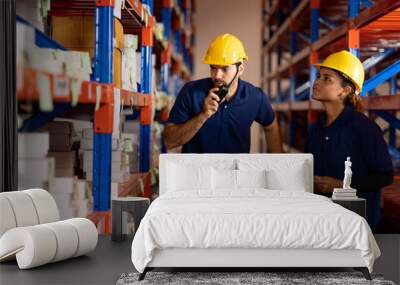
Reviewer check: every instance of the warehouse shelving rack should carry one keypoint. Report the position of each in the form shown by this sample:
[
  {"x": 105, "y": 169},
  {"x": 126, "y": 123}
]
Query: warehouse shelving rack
[
  {"x": 301, "y": 34},
  {"x": 137, "y": 18}
]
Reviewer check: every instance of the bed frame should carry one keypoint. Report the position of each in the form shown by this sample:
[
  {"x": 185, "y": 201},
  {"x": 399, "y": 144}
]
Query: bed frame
[
  {"x": 242, "y": 259},
  {"x": 246, "y": 259}
]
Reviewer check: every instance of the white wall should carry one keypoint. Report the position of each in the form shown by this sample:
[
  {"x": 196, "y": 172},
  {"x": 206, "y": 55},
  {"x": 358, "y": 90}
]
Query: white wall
[{"x": 242, "y": 18}]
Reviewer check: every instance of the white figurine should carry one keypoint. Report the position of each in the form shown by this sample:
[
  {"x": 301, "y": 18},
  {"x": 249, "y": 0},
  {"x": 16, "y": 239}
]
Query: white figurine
[{"x": 347, "y": 174}]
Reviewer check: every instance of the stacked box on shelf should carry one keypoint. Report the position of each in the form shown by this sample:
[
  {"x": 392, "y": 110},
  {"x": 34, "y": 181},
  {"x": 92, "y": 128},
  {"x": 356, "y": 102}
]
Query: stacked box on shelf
[
  {"x": 72, "y": 196},
  {"x": 131, "y": 130},
  {"x": 120, "y": 166},
  {"x": 64, "y": 30},
  {"x": 35, "y": 169},
  {"x": 33, "y": 11},
  {"x": 61, "y": 133},
  {"x": 65, "y": 163}
]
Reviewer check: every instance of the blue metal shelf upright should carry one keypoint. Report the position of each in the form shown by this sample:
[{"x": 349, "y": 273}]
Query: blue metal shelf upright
[{"x": 103, "y": 122}]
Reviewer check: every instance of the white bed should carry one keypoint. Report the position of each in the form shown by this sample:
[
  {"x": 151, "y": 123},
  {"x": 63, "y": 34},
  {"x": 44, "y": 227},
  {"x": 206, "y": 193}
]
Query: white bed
[{"x": 247, "y": 210}]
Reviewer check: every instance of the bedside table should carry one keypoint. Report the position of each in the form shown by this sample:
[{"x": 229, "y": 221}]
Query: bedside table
[
  {"x": 358, "y": 205},
  {"x": 124, "y": 207}
]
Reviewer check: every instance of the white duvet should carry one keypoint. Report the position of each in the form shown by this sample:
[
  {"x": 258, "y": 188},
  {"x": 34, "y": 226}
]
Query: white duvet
[{"x": 251, "y": 218}]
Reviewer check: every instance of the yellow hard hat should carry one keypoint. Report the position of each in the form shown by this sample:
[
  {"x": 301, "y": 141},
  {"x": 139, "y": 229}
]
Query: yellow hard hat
[
  {"x": 348, "y": 64},
  {"x": 225, "y": 49}
]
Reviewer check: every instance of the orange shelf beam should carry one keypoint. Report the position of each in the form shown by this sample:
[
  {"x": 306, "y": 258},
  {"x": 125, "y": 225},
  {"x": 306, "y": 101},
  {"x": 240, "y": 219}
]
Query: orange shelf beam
[{"x": 30, "y": 91}]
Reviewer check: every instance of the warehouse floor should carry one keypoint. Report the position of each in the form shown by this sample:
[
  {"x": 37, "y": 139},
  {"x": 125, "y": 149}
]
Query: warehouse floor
[
  {"x": 110, "y": 259},
  {"x": 103, "y": 266}
]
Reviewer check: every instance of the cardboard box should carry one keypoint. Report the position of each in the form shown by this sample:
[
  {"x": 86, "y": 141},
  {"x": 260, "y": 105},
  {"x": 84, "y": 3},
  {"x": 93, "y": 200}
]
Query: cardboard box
[
  {"x": 117, "y": 61},
  {"x": 74, "y": 32},
  {"x": 58, "y": 127},
  {"x": 80, "y": 189},
  {"x": 64, "y": 172},
  {"x": 60, "y": 142},
  {"x": 81, "y": 208},
  {"x": 77, "y": 33},
  {"x": 62, "y": 185},
  {"x": 64, "y": 159},
  {"x": 77, "y": 125},
  {"x": 33, "y": 145},
  {"x": 33, "y": 172}
]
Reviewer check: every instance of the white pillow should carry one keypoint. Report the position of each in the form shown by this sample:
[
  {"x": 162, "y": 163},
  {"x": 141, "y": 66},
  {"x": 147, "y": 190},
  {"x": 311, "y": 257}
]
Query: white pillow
[
  {"x": 182, "y": 177},
  {"x": 293, "y": 179},
  {"x": 224, "y": 179},
  {"x": 282, "y": 174},
  {"x": 251, "y": 178}
]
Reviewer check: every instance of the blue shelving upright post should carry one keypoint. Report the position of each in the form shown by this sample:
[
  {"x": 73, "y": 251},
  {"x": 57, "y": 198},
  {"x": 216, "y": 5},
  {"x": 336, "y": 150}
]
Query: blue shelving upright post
[
  {"x": 166, "y": 13},
  {"x": 392, "y": 129},
  {"x": 166, "y": 19},
  {"x": 102, "y": 137},
  {"x": 145, "y": 87},
  {"x": 293, "y": 51},
  {"x": 315, "y": 11},
  {"x": 354, "y": 34}
]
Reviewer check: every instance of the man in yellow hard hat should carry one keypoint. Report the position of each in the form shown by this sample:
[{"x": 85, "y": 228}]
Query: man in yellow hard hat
[{"x": 215, "y": 114}]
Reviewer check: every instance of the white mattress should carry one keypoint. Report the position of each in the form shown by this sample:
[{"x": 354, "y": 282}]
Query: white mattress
[{"x": 251, "y": 218}]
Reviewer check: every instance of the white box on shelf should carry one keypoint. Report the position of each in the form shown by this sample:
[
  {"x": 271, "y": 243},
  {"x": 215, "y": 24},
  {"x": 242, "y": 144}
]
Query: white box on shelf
[
  {"x": 35, "y": 170},
  {"x": 63, "y": 200},
  {"x": 114, "y": 189},
  {"x": 81, "y": 207},
  {"x": 131, "y": 127},
  {"x": 33, "y": 145},
  {"x": 80, "y": 190},
  {"x": 62, "y": 185},
  {"x": 117, "y": 8}
]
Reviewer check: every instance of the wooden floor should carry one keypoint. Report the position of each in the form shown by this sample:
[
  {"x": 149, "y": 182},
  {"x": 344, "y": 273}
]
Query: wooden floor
[{"x": 106, "y": 264}]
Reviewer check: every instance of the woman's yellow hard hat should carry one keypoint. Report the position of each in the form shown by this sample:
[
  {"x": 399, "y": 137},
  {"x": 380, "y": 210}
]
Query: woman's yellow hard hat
[
  {"x": 347, "y": 64},
  {"x": 225, "y": 50}
]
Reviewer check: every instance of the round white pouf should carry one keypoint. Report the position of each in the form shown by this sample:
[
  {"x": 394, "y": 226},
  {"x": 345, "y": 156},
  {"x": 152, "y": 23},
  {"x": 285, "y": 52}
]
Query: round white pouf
[
  {"x": 45, "y": 205},
  {"x": 7, "y": 218},
  {"x": 87, "y": 235},
  {"x": 67, "y": 239},
  {"x": 23, "y": 207},
  {"x": 33, "y": 246}
]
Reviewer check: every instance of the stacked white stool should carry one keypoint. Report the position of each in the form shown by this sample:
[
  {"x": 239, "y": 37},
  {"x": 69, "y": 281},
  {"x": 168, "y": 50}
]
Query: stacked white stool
[{"x": 31, "y": 232}]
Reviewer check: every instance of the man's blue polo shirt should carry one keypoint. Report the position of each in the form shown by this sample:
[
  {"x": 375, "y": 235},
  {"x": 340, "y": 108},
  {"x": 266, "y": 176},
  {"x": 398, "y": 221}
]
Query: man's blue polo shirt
[
  {"x": 228, "y": 130},
  {"x": 351, "y": 134}
]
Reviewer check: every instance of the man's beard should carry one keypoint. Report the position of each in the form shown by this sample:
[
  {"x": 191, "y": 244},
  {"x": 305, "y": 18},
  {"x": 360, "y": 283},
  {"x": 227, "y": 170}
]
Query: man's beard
[{"x": 219, "y": 83}]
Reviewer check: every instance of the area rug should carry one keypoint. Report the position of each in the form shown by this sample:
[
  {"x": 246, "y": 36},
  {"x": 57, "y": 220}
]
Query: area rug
[{"x": 242, "y": 278}]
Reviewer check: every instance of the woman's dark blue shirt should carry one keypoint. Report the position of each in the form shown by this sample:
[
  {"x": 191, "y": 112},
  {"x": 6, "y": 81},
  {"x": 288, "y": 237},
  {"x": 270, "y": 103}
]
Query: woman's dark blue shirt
[{"x": 351, "y": 134}]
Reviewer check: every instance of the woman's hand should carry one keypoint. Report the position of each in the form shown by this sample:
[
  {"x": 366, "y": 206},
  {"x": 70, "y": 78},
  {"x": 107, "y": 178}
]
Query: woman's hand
[{"x": 325, "y": 184}]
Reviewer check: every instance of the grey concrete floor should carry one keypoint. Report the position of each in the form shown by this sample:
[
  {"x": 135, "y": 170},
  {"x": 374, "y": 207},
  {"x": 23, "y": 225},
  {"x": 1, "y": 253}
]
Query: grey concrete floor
[
  {"x": 102, "y": 266},
  {"x": 106, "y": 264}
]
